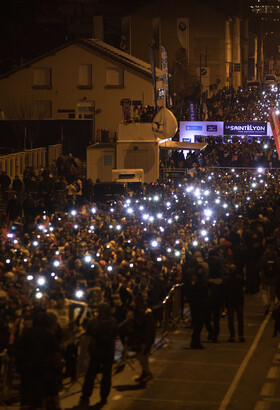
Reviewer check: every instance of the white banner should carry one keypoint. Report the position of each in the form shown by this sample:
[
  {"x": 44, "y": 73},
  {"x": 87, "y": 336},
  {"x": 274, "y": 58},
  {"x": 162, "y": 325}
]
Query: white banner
[{"x": 183, "y": 32}]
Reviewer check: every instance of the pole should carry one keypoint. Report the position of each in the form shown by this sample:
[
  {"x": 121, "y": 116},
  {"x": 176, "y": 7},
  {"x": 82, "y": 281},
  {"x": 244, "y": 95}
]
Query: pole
[{"x": 25, "y": 135}]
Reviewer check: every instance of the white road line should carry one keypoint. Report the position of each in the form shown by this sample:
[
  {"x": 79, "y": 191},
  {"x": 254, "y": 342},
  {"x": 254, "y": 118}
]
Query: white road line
[
  {"x": 172, "y": 380},
  {"x": 268, "y": 389},
  {"x": 202, "y": 404},
  {"x": 190, "y": 363},
  {"x": 244, "y": 364},
  {"x": 273, "y": 373}
]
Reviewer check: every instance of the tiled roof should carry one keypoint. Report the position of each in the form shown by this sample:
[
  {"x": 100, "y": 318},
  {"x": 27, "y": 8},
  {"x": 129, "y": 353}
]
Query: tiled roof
[
  {"x": 104, "y": 49},
  {"x": 120, "y": 55}
]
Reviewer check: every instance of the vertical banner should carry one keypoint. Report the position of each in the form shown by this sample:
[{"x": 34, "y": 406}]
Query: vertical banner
[
  {"x": 125, "y": 36},
  {"x": 156, "y": 33},
  {"x": 164, "y": 67},
  {"x": 275, "y": 126},
  {"x": 192, "y": 115},
  {"x": 153, "y": 69},
  {"x": 126, "y": 103},
  {"x": 183, "y": 32},
  {"x": 98, "y": 27}
]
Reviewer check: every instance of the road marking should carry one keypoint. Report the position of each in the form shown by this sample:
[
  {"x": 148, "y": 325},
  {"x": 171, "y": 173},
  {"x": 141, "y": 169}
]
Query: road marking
[
  {"x": 268, "y": 389},
  {"x": 261, "y": 405},
  {"x": 170, "y": 380},
  {"x": 226, "y": 349},
  {"x": 202, "y": 404},
  {"x": 273, "y": 373},
  {"x": 244, "y": 364},
  {"x": 197, "y": 363}
]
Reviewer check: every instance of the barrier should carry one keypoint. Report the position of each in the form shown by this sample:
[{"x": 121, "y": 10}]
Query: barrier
[
  {"x": 54, "y": 151},
  {"x": 175, "y": 173},
  {"x": 171, "y": 307},
  {"x": 37, "y": 158}
]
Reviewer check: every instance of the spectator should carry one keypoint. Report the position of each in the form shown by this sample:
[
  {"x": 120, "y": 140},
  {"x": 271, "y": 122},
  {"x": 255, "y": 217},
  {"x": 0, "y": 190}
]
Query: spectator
[
  {"x": 102, "y": 332},
  {"x": 5, "y": 181},
  {"x": 14, "y": 208}
]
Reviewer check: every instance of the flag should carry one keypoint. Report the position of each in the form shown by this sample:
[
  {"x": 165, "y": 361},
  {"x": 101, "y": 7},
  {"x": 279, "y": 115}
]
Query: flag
[
  {"x": 126, "y": 103},
  {"x": 125, "y": 34},
  {"x": 192, "y": 111},
  {"x": 275, "y": 126},
  {"x": 183, "y": 32},
  {"x": 98, "y": 25},
  {"x": 164, "y": 67},
  {"x": 153, "y": 69},
  {"x": 156, "y": 33}
]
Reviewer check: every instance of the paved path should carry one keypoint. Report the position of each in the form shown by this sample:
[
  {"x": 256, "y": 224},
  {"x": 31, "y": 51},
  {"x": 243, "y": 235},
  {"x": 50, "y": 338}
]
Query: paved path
[{"x": 224, "y": 375}]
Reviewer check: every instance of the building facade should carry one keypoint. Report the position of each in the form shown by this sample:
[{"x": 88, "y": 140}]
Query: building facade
[{"x": 86, "y": 79}]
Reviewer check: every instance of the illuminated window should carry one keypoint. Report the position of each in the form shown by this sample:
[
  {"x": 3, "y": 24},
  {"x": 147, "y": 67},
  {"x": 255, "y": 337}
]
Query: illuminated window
[{"x": 42, "y": 77}]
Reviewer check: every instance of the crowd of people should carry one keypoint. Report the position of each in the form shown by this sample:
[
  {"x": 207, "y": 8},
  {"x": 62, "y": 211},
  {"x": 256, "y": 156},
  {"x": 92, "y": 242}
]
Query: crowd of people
[
  {"x": 71, "y": 267},
  {"x": 243, "y": 104},
  {"x": 229, "y": 152},
  {"x": 208, "y": 232}
]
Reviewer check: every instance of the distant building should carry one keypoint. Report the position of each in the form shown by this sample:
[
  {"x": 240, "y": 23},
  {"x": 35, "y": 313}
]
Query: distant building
[
  {"x": 215, "y": 41},
  {"x": 265, "y": 16},
  {"x": 85, "y": 79}
]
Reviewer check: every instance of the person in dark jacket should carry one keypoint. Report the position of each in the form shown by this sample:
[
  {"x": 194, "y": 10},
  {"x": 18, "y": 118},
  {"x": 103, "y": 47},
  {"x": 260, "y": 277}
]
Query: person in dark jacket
[
  {"x": 215, "y": 293},
  {"x": 269, "y": 268},
  {"x": 37, "y": 350},
  {"x": 14, "y": 208},
  {"x": 234, "y": 301},
  {"x": 140, "y": 329},
  {"x": 144, "y": 330},
  {"x": 196, "y": 285},
  {"x": 17, "y": 185},
  {"x": 102, "y": 332},
  {"x": 5, "y": 181}
]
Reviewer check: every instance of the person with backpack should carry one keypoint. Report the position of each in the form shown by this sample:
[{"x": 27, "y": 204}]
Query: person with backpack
[
  {"x": 102, "y": 332},
  {"x": 269, "y": 268}
]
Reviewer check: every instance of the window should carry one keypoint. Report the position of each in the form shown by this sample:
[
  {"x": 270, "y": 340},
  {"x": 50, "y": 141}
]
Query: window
[
  {"x": 114, "y": 77},
  {"x": 85, "y": 76},
  {"x": 42, "y": 109},
  {"x": 108, "y": 160},
  {"x": 42, "y": 77}
]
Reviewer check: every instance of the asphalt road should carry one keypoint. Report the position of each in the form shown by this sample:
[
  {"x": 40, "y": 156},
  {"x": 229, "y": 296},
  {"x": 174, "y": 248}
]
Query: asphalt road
[{"x": 222, "y": 376}]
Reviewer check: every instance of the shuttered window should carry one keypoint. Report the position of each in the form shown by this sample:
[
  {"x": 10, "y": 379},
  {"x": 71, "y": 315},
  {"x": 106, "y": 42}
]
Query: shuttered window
[
  {"x": 42, "y": 77},
  {"x": 85, "y": 76},
  {"x": 114, "y": 77}
]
